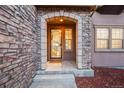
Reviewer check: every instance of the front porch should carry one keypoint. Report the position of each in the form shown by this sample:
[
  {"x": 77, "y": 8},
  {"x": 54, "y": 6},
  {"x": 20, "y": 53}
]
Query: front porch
[
  {"x": 61, "y": 66},
  {"x": 103, "y": 78},
  {"x": 59, "y": 74},
  {"x": 65, "y": 67}
]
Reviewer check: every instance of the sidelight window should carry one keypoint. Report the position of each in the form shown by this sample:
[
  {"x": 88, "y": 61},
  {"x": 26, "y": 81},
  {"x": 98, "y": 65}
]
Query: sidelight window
[{"x": 68, "y": 39}]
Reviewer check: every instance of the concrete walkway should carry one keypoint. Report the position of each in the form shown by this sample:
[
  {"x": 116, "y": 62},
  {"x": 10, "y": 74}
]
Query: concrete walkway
[{"x": 54, "y": 81}]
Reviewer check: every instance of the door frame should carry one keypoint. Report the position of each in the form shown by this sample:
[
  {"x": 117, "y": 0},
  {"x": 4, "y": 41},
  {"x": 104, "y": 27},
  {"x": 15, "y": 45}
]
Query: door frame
[{"x": 62, "y": 27}]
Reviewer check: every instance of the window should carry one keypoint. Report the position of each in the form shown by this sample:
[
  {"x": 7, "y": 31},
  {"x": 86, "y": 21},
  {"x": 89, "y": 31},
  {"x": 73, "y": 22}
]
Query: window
[
  {"x": 68, "y": 39},
  {"x": 102, "y": 35},
  {"x": 109, "y": 38},
  {"x": 117, "y": 38}
]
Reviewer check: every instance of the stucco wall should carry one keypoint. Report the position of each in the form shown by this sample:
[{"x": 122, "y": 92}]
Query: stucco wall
[
  {"x": 99, "y": 19},
  {"x": 18, "y": 45},
  {"x": 107, "y": 58}
]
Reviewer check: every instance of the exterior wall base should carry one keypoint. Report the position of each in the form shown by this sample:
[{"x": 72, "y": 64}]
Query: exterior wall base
[
  {"x": 43, "y": 66},
  {"x": 84, "y": 73}
]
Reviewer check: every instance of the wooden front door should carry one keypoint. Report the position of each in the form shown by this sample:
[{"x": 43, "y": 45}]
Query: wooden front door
[{"x": 61, "y": 43}]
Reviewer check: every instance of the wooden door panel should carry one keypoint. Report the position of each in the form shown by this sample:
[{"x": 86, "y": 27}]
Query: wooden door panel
[{"x": 69, "y": 43}]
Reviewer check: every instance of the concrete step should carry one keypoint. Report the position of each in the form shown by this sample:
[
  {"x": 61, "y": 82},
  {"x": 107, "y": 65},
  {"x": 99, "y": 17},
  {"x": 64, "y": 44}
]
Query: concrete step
[
  {"x": 54, "y": 81},
  {"x": 77, "y": 73},
  {"x": 42, "y": 72}
]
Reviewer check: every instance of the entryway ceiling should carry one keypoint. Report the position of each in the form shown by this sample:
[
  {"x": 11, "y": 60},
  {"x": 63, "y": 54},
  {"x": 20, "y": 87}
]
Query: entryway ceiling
[{"x": 56, "y": 20}]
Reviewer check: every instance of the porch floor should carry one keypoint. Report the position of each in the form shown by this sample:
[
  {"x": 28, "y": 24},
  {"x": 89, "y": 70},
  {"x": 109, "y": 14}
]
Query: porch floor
[
  {"x": 65, "y": 67},
  {"x": 61, "y": 66}
]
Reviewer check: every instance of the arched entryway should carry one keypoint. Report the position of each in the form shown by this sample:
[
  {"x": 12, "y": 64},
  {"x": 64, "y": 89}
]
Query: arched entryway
[
  {"x": 71, "y": 19},
  {"x": 61, "y": 39},
  {"x": 61, "y": 43}
]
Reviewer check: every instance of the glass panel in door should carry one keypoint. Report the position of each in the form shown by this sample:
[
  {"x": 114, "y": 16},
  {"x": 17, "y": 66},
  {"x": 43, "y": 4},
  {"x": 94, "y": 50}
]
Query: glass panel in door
[
  {"x": 56, "y": 43},
  {"x": 68, "y": 39}
]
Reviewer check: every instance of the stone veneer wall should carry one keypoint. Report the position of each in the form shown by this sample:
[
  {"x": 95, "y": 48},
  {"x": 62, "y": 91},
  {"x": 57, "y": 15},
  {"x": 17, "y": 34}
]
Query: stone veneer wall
[
  {"x": 84, "y": 27},
  {"x": 18, "y": 45}
]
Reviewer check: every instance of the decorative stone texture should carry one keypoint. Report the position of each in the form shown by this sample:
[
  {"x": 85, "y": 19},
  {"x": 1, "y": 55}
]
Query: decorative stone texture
[
  {"x": 7, "y": 39},
  {"x": 19, "y": 45},
  {"x": 43, "y": 46},
  {"x": 83, "y": 34},
  {"x": 44, "y": 52},
  {"x": 43, "y": 39}
]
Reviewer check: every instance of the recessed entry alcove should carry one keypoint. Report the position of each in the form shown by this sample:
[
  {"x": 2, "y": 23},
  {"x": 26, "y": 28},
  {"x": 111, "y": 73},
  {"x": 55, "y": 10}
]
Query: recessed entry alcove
[{"x": 61, "y": 38}]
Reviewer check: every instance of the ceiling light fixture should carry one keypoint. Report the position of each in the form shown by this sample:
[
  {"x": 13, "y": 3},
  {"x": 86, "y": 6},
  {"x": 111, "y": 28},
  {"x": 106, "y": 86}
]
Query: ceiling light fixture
[{"x": 61, "y": 20}]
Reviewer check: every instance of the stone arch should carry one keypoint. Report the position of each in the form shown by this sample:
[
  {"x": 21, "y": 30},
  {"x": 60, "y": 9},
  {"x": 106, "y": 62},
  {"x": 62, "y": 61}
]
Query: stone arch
[{"x": 78, "y": 36}]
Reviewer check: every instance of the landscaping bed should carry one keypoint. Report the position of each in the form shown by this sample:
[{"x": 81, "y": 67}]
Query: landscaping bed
[{"x": 104, "y": 78}]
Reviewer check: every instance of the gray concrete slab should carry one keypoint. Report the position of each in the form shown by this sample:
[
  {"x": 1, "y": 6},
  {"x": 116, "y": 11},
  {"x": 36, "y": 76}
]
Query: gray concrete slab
[
  {"x": 54, "y": 81},
  {"x": 66, "y": 67}
]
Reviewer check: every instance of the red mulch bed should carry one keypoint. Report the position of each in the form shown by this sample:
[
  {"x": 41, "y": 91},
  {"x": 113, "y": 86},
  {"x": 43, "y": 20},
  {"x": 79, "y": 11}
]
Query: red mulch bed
[{"x": 104, "y": 78}]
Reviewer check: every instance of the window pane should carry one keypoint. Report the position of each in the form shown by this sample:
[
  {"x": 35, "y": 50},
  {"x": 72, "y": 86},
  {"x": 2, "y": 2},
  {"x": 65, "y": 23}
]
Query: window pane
[
  {"x": 102, "y": 43},
  {"x": 55, "y": 43},
  {"x": 68, "y": 44},
  {"x": 68, "y": 38},
  {"x": 116, "y": 43},
  {"x": 102, "y": 33},
  {"x": 117, "y": 33},
  {"x": 68, "y": 33}
]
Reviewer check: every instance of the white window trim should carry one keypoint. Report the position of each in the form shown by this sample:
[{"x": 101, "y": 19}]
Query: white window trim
[{"x": 109, "y": 49}]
